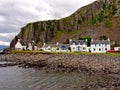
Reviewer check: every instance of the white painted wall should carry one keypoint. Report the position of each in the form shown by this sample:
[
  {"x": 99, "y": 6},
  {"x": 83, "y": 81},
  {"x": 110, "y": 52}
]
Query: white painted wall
[
  {"x": 29, "y": 46},
  {"x": 99, "y": 48},
  {"x": 78, "y": 48},
  {"x": 116, "y": 48},
  {"x": 24, "y": 47},
  {"x": 18, "y": 46},
  {"x": 54, "y": 49}
]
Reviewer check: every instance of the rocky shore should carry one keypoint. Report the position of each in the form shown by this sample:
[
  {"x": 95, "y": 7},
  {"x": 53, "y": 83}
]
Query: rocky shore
[
  {"x": 67, "y": 62},
  {"x": 107, "y": 66}
]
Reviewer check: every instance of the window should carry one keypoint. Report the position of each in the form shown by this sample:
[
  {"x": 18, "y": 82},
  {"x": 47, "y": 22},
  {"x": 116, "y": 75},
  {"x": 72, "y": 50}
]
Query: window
[
  {"x": 84, "y": 48},
  {"x": 73, "y": 47},
  {"x": 99, "y": 49},
  {"x": 73, "y": 43},
  {"x": 95, "y": 45},
  {"x": 94, "y": 49},
  {"x": 106, "y": 49},
  {"x": 99, "y": 44},
  {"x": 57, "y": 48},
  {"x": 78, "y": 47},
  {"x": 105, "y": 45}
]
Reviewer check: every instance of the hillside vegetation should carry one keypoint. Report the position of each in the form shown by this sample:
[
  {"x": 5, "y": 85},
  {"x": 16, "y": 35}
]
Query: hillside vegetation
[{"x": 101, "y": 17}]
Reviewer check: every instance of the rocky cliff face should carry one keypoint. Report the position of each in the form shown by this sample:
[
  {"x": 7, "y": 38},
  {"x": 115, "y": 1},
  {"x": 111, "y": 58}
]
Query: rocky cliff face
[{"x": 102, "y": 17}]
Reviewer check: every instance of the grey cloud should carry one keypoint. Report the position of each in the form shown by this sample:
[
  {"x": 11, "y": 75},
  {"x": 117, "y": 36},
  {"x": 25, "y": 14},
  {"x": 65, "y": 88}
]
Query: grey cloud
[{"x": 15, "y": 14}]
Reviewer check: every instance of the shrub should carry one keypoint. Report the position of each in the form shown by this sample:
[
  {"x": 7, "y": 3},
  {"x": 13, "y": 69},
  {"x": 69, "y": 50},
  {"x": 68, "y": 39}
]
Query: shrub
[
  {"x": 42, "y": 28},
  {"x": 103, "y": 37},
  {"x": 93, "y": 21},
  {"x": 88, "y": 39},
  {"x": 108, "y": 24},
  {"x": 116, "y": 44},
  {"x": 100, "y": 17}
]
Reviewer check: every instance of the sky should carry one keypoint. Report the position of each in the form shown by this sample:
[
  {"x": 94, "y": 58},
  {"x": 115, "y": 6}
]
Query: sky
[{"x": 15, "y": 14}]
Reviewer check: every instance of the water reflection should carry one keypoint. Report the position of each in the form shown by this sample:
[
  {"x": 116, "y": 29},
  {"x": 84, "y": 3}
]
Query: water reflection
[{"x": 15, "y": 78}]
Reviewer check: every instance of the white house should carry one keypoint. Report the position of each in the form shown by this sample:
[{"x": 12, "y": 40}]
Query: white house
[
  {"x": 18, "y": 45},
  {"x": 100, "y": 46},
  {"x": 29, "y": 46},
  {"x": 55, "y": 47},
  {"x": 25, "y": 46},
  {"x": 78, "y": 46},
  {"x": 117, "y": 48}
]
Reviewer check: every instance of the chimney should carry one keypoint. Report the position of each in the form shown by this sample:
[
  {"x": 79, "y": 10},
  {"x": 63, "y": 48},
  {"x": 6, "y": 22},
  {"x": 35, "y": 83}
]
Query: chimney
[
  {"x": 18, "y": 40},
  {"x": 108, "y": 39},
  {"x": 57, "y": 43},
  {"x": 70, "y": 40},
  {"x": 92, "y": 40},
  {"x": 44, "y": 44}
]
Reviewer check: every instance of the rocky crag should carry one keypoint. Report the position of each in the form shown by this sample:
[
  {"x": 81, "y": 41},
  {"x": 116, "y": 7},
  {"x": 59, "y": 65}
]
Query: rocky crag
[{"x": 101, "y": 17}]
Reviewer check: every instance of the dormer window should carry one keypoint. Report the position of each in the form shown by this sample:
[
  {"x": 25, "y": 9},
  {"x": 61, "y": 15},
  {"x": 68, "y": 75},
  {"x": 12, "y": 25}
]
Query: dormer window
[
  {"x": 73, "y": 43},
  {"x": 106, "y": 45},
  {"x": 95, "y": 45}
]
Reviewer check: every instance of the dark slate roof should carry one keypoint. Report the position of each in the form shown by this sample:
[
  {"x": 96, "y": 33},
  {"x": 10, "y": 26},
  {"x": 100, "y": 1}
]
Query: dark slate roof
[
  {"x": 51, "y": 45},
  {"x": 55, "y": 45},
  {"x": 100, "y": 42},
  {"x": 77, "y": 42}
]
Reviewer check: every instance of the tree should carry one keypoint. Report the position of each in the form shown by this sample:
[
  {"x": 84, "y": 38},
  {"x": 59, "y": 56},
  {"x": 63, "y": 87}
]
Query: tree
[
  {"x": 42, "y": 28},
  {"x": 116, "y": 44},
  {"x": 88, "y": 39},
  {"x": 103, "y": 37},
  {"x": 93, "y": 21},
  {"x": 108, "y": 23},
  {"x": 66, "y": 42}
]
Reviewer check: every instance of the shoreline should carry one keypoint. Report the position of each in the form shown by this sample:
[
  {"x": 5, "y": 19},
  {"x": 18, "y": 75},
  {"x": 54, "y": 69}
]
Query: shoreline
[
  {"x": 104, "y": 66},
  {"x": 66, "y": 62}
]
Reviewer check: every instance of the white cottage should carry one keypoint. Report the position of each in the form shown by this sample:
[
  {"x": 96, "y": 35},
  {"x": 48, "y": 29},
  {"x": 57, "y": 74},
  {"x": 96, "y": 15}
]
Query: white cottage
[
  {"x": 117, "y": 48},
  {"x": 55, "y": 47},
  {"x": 25, "y": 46},
  {"x": 78, "y": 46},
  {"x": 18, "y": 45},
  {"x": 32, "y": 46},
  {"x": 100, "y": 46}
]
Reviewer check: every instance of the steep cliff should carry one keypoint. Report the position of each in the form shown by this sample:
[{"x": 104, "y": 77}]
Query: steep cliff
[{"x": 102, "y": 17}]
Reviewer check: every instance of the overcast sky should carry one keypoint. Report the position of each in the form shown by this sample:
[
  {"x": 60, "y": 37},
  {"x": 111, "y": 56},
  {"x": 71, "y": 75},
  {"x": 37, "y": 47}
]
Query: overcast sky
[{"x": 15, "y": 14}]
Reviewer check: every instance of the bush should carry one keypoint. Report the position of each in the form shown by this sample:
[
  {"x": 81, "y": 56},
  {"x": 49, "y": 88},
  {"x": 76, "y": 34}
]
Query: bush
[
  {"x": 103, "y": 37},
  {"x": 66, "y": 42},
  {"x": 100, "y": 17},
  {"x": 116, "y": 44},
  {"x": 108, "y": 24},
  {"x": 93, "y": 21},
  {"x": 42, "y": 28},
  {"x": 84, "y": 38}
]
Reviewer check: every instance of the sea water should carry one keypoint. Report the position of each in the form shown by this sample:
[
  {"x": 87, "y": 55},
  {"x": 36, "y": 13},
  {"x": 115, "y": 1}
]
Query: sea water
[{"x": 16, "y": 78}]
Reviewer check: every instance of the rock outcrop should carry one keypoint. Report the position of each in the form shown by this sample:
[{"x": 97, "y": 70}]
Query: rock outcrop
[{"x": 98, "y": 18}]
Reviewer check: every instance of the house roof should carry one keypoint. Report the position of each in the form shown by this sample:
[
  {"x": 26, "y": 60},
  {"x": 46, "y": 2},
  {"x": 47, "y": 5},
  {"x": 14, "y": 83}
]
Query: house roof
[
  {"x": 100, "y": 42},
  {"x": 77, "y": 42},
  {"x": 55, "y": 45}
]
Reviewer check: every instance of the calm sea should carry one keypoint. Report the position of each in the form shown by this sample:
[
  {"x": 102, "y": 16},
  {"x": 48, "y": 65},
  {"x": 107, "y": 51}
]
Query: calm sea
[{"x": 15, "y": 78}]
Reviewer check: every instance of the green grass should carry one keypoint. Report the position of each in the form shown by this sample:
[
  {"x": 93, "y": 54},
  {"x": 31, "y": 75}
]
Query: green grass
[
  {"x": 26, "y": 52},
  {"x": 73, "y": 53},
  {"x": 59, "y": 34},
  {"x": 112, "y": 54}
]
